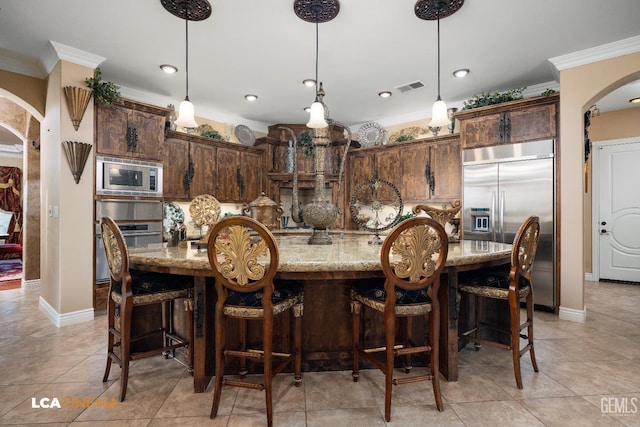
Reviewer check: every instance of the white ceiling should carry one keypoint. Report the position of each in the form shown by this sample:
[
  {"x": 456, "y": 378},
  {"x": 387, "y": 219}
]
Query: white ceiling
[{"x": 262, "y": 47}]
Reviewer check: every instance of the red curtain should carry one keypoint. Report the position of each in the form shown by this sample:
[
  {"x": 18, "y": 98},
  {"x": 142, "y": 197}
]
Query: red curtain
[{"x": 10, "y": 186}]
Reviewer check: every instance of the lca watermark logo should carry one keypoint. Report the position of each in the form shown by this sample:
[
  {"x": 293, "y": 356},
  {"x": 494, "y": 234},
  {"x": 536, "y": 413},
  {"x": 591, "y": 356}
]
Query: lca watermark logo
[
  {"x": 619, "y": 405},
  {"x": 73, "y": 403}
]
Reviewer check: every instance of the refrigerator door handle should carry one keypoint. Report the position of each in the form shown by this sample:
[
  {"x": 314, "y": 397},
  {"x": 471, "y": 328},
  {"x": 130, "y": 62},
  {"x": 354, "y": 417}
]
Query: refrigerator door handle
[
  {"x": 494, "y": 210},
  {"x": 502, "y": 203}
]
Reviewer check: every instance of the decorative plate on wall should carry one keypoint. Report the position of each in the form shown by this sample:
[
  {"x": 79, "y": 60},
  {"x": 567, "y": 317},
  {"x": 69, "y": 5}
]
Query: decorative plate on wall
[
  {"x": 370, "y": 134},
  {"x": 245, "y": 135}
]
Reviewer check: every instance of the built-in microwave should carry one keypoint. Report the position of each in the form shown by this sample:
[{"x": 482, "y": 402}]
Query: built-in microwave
[{"x": 128, "y": 177}]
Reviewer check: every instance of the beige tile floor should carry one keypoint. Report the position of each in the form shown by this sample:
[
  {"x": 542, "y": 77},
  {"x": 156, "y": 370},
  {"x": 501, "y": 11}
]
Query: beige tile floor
[{"x": 581, "y": 366}]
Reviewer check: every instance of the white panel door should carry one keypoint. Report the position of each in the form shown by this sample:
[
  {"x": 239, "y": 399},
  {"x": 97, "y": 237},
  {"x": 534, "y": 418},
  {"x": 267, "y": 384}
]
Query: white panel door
[{"x": 619, "y": 216}]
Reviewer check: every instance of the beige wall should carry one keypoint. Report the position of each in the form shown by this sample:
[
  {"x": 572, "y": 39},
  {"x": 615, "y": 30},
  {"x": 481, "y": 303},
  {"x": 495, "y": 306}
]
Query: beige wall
[
  {"x": 606, "y": 126},
  {"x": 30, "y": 90},
  {"x": 67, "y": 241},
  {"x": 15, "y": 162},
  {"x": 581, "y": 87}
]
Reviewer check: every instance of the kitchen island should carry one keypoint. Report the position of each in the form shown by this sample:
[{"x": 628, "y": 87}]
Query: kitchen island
[{"x": 327, "y": 272}]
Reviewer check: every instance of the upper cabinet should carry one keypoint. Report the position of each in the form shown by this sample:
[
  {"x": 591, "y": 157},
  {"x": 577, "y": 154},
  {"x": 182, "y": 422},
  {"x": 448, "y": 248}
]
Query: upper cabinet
[
  {"x": 133, "y": 130},
  {"x": 508, "y": 123},
  {"x": 195, "y": 165},
  {"x": 422, "y": 170}
]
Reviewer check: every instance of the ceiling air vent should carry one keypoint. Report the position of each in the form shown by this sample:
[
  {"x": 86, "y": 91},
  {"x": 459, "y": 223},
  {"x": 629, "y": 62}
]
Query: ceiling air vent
[{"x": 410, "y": 86}]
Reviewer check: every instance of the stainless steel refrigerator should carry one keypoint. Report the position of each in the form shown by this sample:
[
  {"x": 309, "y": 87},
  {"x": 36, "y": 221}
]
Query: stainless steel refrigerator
[{"x": 502, "y": 187}]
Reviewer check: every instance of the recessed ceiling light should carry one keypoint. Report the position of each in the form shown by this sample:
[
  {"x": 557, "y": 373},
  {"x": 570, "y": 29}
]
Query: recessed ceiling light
[
  {"x": 169, "y": 69},
  {"x": 635, "y": 100},
  {"x": 309, "y": 82},
  {"x": 250, "y": 97},
  {"x": 384, "y": 94},
  {"x": 461, "y": 72}
]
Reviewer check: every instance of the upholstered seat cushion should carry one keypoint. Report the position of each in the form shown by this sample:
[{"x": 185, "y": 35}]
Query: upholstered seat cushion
[
  {"x": 408, "y": 302},
  {"x": 283, "y": 290},
  {"x": 375, "y": 290},
  {"x": 490, "y": 282},
  {"x": 150, "y": 287}
]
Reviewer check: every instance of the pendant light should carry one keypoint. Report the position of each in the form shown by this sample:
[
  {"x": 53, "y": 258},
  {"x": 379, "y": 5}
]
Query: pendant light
[
  {"x": 316, "y": 11},
  {"x": 425, "y": 9},
  {"x": 316, "y": 114},
  {"x": 189, "y": 10}
]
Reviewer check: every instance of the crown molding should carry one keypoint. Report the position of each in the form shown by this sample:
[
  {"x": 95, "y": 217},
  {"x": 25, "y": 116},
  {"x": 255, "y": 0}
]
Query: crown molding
[
  {"x": 594, "y": 54},
  {"x": 59, "y": 52}
]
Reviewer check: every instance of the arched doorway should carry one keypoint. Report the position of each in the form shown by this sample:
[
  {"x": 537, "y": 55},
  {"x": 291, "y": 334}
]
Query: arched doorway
[
  {"x": 24, "y": 127},
  {"x": 580, "y": 87}
]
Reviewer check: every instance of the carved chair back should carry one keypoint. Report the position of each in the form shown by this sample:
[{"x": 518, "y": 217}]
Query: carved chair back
[
  {"x": 244, "y": 256},
  {"x": 116, "y": 251},
  {"x": 413, "y": 256},
  {"x": 525, "y": 245}
]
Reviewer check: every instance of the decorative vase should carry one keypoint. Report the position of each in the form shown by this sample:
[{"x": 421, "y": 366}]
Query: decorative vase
[
  {"x": 289, "y": 160},
  {"x": 452, "y": 119}
]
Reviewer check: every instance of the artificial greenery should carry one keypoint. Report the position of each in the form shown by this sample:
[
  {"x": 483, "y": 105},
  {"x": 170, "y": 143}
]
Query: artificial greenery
[
  {"x": 214, "y": 134},
  {"x": 489, "y": 98},
  {"x": 405, "y": 138},
  {"x": 406, "y": 216},
  {"x": 104, "y": 93},
  {"x": 305, "y": 140},
  {"x": 548, "y": 92}
]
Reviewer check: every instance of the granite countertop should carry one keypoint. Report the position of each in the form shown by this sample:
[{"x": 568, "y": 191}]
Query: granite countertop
[{"x": 349, "y": 252}]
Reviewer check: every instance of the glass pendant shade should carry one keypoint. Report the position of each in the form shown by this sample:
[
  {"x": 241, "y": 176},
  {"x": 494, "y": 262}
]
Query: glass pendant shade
[
  {"x": 316, "y": 116},
  {"x": 186, "y": 117},
  {"x": 439, "y": 117}
]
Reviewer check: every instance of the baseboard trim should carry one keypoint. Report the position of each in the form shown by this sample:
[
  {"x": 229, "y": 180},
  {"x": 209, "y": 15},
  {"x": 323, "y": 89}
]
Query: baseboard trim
[
  {"x": 573, "y": 315},
  {"x": 588, "y": 277},
  {"x": 34, "y": 283},
  {"x": 65, "y": 319}
]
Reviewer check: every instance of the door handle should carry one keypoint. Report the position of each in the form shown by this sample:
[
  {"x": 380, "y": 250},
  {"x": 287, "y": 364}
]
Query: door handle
[{"x": 603, "y": 231}]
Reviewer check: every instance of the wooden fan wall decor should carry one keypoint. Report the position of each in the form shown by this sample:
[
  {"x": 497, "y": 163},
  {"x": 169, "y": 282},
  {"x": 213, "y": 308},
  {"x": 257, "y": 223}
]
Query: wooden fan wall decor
[{"x": 77, "y": 102}]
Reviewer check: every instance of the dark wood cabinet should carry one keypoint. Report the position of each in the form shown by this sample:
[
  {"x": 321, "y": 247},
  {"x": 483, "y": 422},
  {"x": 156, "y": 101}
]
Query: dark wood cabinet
[
  {"x": 446, "y": 169},
  {"x": 176, "y": 161},
  {"x": 132, "y": 130},
  {"x": 239, "y": 175},
  {"x": 508, "y": 123},
  {"x": 195, "y": 165},
  {"x": 203, "y": 162},
  {"x": 423, "y": 170}
]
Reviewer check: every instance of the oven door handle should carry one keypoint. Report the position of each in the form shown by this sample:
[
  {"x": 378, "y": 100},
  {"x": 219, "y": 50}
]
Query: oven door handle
[
  {"x": 151, "y": 233},
  {"x": 128, "y": 201}
]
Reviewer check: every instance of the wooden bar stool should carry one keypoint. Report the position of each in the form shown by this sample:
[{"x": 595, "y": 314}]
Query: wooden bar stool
[
  {"x": 244, "y": 258},
  {"x": 412, "y": 257},
  {"x": 129, "y": 288},
  {"x": 510, "y": 284}
]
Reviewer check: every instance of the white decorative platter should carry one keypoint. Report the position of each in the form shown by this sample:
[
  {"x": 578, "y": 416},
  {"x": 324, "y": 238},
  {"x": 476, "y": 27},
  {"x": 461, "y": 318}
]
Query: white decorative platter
[
  {"x": 370, "y": 134},
  {"x": 245, "y": 135}
]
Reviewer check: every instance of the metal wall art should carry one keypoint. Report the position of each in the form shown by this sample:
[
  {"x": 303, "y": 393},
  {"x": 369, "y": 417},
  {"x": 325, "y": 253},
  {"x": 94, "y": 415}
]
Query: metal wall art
[
  {"x": 77, "y": 102},
  {"x": 77, "y": 154}
]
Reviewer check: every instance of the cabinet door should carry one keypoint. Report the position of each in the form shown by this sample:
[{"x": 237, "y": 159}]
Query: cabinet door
[
  {"x": 416, "y": 173},
  {"x": 228, "y": 175},
  {"x": 150, "y": 134},
  {"x": 175, "y": 165},
  {"x": 388, "y": 166},
  {"x": 361, "y": 168},
  {"x": 203, "y": 158},
  {"x": 251, "y": 171},
  {"x": 532, "y": 123},
  {"x": 482, "y": 131},
  {"x": 446, "y": 167},
  {"x": 124, "y": 132},
  {"x": 111, "y": 130}
]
